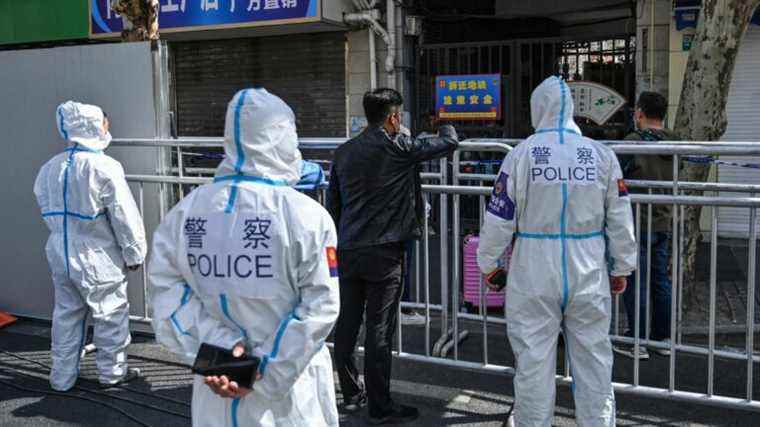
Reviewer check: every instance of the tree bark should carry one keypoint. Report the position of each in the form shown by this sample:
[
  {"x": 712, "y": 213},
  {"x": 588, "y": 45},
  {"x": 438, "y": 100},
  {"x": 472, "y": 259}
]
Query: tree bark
[
  {"x": 142, "y": 16},
  {"x": 702, "y": 108}
]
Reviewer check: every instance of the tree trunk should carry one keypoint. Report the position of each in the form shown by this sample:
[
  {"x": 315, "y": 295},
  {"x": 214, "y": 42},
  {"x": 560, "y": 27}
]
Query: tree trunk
[
  {"x": 702, "y": 108},
  {"x": 141, "y": 18}
]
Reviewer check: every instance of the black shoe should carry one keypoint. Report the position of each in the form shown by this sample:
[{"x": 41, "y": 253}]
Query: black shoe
[
  {"x": 132, "y": 374},
  {"x": 399, "y": 415},
  {"x": 355, "y": 404}
]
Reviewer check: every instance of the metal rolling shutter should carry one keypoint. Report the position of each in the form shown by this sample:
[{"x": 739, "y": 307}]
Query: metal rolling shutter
[
  {"x": 306, "y": 70},
  {"x": 743, "y": 110}
]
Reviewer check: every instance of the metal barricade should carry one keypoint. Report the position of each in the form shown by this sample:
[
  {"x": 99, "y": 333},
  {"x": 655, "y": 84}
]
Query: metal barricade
[
  {"x": 708, "y": 396},
  {"x": 448, "y": 308},
  {"x": 187, "y": 176},
  {"x": 678, "y": 203}
]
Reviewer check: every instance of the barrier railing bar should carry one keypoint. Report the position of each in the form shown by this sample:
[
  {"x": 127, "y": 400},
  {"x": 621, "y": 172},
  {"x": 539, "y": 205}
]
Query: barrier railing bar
[
  {"x": 637, "y": 301},
  {"x": 481, "y": 288},
  {"x": 417, "y": 272},
  {"x": 443, "y": 233},
  {"x": 616, "y": 303},
  {"x": 143, "y": 268},
  {"x": 399, "y": 331},
  {"x": 682, "y": 244},
  {"x": 713, "y": 286},
  {"x": 614, "y": 142},
  {"x": 426, "y": 260},
  {"x": 157, "y": 179},
  {"x": 751, "y": 271},
  {"x": 695, "y": 186},
  {"x": 674, "y": 280},
  {"x": 502, "y": 145},
  {"x": 648, "y": 291},
  {"x": 663, "y": 185},
  {"x": 181, "y": 172},
  {"x": 455, "y": 272},
  {"x": 655, "y": 199},
  {"x": 211, "y": 171},
  {"x": 689, "y": 349}
]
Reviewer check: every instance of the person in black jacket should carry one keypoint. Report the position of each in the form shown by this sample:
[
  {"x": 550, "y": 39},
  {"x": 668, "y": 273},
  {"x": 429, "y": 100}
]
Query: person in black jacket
[{"x": 375, "y": 198}]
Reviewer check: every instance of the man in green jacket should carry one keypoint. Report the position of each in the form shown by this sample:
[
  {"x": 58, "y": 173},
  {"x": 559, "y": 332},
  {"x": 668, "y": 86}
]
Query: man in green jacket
[{"x": 649, "y": 118}]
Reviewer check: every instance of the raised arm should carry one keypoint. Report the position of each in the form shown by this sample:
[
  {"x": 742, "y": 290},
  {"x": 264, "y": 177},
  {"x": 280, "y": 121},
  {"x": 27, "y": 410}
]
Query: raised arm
[{"x": 424, "y": 149}]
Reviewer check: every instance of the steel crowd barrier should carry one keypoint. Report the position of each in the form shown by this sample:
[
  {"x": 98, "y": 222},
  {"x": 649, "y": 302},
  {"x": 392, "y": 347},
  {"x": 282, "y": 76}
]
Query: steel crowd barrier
[{"x": 448, "y": 305}]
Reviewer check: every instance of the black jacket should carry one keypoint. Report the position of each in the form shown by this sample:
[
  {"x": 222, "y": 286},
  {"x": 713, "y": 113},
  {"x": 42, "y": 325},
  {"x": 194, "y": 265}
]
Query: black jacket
[
  {"x": 375, "y": 194},
  {"x": 652, "y": 168}
]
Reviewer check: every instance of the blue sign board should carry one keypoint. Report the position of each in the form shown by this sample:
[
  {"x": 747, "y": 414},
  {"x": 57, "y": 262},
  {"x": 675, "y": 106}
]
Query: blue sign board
[
  {"x": 468, "y": 97},
  {"x": 189, "y": 15}
]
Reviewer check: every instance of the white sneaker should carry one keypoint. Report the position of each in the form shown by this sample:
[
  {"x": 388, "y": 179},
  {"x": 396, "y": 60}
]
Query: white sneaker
[
  {"x": 413, "y": 318},
  {"x": 628, "y": 351},
  {"x": 663, "y": 351}
]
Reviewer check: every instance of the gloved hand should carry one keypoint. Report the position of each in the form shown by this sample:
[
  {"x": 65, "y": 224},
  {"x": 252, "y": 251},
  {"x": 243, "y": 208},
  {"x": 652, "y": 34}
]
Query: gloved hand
[
  {"x": 312, "y": 177},
  {"x": 618, "y": 284},
  {"x": 496, "y": 280},
  {"x": 222, "y": 386}
]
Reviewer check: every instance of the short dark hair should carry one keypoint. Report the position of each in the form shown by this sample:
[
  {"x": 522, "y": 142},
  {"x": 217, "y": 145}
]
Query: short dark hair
[
  {"x": 653, "y": 105},
  {"x": 379, "y": 104}
]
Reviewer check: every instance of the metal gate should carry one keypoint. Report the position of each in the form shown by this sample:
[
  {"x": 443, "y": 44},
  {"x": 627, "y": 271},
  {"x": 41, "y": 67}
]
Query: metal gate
[{"x": 523, "y": 64}]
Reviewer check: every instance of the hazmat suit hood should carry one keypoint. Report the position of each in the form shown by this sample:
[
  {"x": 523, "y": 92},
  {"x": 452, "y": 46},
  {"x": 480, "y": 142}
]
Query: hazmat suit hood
[
  {"x": 82, "y": 124},
  {"x": 260, "y": 138},
  {"x": 551, "y": 106}
]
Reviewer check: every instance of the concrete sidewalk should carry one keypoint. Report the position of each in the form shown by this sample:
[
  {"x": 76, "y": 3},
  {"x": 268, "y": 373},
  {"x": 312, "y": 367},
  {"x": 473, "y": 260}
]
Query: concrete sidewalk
[{"x": 445, "y": 396}]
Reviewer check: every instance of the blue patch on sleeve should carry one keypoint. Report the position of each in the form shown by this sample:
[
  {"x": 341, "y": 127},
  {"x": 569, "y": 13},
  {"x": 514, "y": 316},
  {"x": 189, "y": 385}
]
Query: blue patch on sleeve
[{"x": 501, "y": 204}]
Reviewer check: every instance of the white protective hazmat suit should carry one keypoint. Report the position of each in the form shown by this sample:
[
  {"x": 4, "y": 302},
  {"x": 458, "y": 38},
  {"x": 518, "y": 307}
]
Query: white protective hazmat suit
[
  {"x": 95, "y": 231},
  {"x": 248, "y": 258},
  {"x": 561, "y": 196}
]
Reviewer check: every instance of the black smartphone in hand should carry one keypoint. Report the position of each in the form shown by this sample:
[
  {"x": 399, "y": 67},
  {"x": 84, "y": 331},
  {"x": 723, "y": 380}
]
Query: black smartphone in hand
[{"x": 216, "y": 361}]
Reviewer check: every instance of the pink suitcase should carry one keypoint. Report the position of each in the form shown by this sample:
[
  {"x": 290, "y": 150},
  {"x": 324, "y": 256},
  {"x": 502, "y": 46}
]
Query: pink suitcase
[{"x": 471, "y": 276}]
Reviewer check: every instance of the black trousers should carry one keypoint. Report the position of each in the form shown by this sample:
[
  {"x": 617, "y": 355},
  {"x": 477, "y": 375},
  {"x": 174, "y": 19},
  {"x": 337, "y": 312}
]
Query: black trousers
[{"x": 369, "y": 278}]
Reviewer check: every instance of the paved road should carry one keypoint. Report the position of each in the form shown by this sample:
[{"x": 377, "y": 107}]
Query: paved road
[{"x": 445, "y": 396}]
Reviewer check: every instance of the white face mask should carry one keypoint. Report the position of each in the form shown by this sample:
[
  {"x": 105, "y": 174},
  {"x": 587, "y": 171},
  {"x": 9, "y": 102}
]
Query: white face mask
[{"x": 107, "y": 137}]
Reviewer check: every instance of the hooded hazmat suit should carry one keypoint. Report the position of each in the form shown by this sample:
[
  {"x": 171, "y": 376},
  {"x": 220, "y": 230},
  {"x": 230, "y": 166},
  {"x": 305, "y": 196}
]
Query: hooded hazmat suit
[
  {"x": 250, "y": 259},
  {"x": 95, "y": 231},
  {"x": 562, "y": 198}
]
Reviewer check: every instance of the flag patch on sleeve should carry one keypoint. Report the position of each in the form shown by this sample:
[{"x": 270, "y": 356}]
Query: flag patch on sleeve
[
  {"x": 332, "y": 261},
  {"x": 501, "y": 204},
  {"x": 622, "y": 189}
]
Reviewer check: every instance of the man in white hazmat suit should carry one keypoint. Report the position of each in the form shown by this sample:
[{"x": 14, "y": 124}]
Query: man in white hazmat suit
[
  {"x": 248, "y": 263},
  {"x": 96, "y": 231},
  {"x": 562, "y": 199}
]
